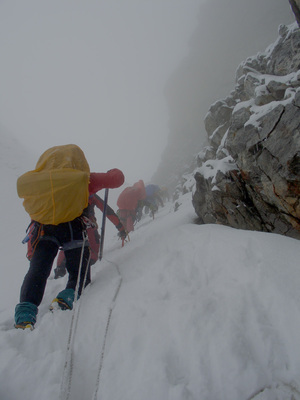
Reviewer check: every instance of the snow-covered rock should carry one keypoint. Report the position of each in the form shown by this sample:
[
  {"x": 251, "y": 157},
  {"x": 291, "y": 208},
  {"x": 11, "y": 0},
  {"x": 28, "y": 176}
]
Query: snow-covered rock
[{"x": 258, "y": 126}]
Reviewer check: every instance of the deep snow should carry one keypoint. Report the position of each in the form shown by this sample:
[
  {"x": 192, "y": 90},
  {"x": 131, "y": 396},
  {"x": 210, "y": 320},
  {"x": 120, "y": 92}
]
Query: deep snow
[{"x": 203, "y": 313}]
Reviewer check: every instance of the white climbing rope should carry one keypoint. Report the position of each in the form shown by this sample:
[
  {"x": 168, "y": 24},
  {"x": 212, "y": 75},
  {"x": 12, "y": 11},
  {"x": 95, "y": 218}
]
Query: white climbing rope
[
  {"x": 113, "y": 302},
  {"x": 66, "y": 383}
]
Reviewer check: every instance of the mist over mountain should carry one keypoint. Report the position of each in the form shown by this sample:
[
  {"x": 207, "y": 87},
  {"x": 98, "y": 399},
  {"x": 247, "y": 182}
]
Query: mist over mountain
[
  {"x": 228, "y": 32},
  {"x": 183, "y": 311}
]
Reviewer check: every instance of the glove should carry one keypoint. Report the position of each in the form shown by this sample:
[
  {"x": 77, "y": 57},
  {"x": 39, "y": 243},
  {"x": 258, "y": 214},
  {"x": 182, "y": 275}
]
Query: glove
[{"x": 122, "y": 234}]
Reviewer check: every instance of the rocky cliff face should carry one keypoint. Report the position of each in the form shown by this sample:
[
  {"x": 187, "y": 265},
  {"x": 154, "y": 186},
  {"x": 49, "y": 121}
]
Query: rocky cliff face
[
  {"x": 249, "y": 176},
  {"x": 227, "y": 32}
]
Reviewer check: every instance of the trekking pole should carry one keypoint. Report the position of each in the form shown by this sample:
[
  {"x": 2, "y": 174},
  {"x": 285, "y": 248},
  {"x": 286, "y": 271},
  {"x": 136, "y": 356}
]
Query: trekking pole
[{"x": 103, "y": 225}]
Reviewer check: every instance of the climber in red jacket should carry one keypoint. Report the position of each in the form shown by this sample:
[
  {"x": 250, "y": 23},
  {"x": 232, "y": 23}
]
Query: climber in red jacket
[{"x": 129, "y": 202}]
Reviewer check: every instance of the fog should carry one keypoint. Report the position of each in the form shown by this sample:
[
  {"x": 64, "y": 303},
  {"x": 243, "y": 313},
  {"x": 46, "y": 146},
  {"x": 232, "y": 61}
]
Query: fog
[
  {"x": 129, "y": 81},
  {"x": 93, "y": 73},
  {"x": 228, "y": 32}
]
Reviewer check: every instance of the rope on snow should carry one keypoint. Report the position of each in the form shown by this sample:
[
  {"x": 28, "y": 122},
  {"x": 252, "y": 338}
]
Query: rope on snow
[
  {"x": 97, "y": 385},
  {"x": 65, "y": 388},
  {"x": 66, "y": 383}
]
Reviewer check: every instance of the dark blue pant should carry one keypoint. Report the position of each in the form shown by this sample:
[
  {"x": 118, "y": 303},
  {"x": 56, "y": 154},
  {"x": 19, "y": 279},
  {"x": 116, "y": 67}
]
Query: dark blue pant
[{"x": 54, "y": 236}]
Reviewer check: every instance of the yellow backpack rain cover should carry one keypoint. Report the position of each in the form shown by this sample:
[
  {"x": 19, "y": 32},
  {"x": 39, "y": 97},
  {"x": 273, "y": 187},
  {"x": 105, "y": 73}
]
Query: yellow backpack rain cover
[{"x": 56, "y": 191}]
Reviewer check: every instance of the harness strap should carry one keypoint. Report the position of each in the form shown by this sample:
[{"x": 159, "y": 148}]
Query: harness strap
[
  {"x": 50, "y": 238},
  {"x": 74, "y": 244}
]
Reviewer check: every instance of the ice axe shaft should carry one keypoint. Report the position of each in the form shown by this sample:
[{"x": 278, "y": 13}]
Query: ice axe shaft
[{"x": 103, "y": 224}]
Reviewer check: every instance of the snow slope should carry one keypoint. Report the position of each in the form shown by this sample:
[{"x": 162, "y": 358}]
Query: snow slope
[{"x": 184, "y": 312}]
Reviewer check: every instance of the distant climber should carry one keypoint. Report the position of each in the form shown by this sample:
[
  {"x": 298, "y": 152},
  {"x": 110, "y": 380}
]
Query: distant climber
[
  {"x": 154, "y": 197},
  {"x": 129, "y": 203}
]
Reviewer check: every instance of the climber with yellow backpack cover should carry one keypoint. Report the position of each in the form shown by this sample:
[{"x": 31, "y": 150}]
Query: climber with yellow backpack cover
[{"x": 55, "y": 194}]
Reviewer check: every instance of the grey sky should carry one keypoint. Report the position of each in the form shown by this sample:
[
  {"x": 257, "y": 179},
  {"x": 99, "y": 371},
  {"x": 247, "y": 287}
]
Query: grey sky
[{"x": 93, "y": 73}]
